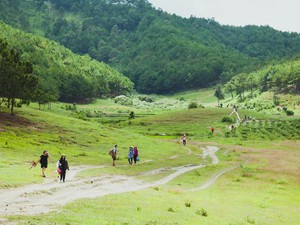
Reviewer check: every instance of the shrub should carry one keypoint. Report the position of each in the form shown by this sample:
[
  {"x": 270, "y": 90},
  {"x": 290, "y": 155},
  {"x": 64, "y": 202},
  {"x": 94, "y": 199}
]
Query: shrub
[
  {"x": 289, "y": 112},
  {"x": 123, "y": 100},
  {"x": 187, "y": 204},
  {"x": 193, "y": 105},
  {"x": 146, "y": 99},
  {"x": 202, "y": 212},
  {"x": 227, "y": 119},
  {"x": 71, "y": 107},
  {"x": 171, "y": 210},
  {"x": 131, "y": 115},
  {"x": 156, "y": 188}
]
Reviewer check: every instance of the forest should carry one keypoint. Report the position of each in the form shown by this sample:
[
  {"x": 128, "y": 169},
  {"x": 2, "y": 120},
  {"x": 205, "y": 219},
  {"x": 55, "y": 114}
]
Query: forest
[
  {"x": 59, "y": 73},
  {"x": 159, "y": 52}
]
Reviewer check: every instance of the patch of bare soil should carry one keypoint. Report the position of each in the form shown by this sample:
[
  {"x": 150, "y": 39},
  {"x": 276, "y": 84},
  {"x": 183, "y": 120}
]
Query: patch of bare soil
[{"x": 7, "y": 120}]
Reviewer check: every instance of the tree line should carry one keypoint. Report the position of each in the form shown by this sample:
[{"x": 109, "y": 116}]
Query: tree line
[{"x": 281, "y": 77}]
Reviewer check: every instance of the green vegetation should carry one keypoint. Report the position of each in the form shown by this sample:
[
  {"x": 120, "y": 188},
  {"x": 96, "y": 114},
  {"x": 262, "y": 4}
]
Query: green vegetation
[
  {"x": 62, "y": 74},
  {"x": 278, "y": 78},
  {"x": 160, "y": 53},
  {"x": 16, "y": 80},
  {"x": 252, "y": 178},
  {"x": 264, "y": 150}
]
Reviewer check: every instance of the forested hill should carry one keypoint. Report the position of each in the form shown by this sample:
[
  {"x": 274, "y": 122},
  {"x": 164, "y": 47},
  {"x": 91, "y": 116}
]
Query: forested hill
[
  {"x": 159, "y": 52},
  {"x": 62, "y": 74}
]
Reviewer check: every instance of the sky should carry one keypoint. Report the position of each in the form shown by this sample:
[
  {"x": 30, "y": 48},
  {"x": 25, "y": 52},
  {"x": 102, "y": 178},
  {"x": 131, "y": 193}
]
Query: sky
[{"x": 283, "y": 15}]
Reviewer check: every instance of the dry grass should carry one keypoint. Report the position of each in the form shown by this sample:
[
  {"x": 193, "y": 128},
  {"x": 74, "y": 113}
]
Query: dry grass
[{"x": 274, "y": 162}]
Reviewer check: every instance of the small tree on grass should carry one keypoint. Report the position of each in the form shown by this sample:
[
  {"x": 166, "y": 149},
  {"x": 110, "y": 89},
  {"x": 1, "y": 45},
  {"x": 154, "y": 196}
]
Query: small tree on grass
[
  {"x": 16, "y": 79},
  {"x": 193, "y": 105},
  {"x": 219, "y": 94},
  {"x": 131, "y": 115}
]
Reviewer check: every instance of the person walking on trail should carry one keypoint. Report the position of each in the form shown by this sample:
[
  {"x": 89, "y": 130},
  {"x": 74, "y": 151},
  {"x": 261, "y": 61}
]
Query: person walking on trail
[
  {"x": 114, "y": 154},
  {"x": 130, "y": 155},
  {"x": 184, "y": 138},
  {"x": 63, "y": 166},
  {"x": 58, "y": 169},
  {"x": 135, "y": 154},
  {"x": 43, "y": 160}
]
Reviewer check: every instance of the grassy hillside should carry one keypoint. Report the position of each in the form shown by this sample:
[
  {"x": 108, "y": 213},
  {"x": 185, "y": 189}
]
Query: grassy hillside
[{"x": 264, "y": 183}]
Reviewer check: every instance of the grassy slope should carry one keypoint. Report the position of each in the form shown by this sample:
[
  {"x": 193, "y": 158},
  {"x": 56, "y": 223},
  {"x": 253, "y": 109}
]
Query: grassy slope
[{"x": 266, "y": 184}]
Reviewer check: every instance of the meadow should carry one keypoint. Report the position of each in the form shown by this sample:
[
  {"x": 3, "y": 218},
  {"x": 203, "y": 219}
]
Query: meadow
[{"x": 261, "y": 188}]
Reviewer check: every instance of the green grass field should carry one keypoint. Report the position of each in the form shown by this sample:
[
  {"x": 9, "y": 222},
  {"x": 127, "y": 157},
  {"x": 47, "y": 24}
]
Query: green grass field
[{"x": 264, "y": 187}]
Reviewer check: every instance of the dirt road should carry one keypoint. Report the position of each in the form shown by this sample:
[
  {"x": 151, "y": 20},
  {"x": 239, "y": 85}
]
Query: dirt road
[{"x": 42, "y": 198}]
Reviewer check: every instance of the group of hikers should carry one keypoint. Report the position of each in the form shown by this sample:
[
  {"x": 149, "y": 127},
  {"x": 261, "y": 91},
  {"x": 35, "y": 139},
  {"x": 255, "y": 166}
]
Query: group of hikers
[
  {"x": 133, "y": 155},
  {"x": 62, "y": 164}
]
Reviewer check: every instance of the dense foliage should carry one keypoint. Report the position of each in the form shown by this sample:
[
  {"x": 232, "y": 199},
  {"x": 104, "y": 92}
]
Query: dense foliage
[
  {"x": 157, "y": 51},
  {"x": 16, "y": 78},
  {"x": 281, "y": 77},
  {"x": 62, "y": 74}
]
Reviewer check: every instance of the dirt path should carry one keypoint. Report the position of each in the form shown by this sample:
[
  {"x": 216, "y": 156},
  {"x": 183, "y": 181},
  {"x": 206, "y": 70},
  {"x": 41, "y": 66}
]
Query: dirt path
[
  {"x": 42, "y": 198},
  {"x": 188, "y": 153},
  {"x": 213, "y": 179},
  {"x": 210, "y": 151}
]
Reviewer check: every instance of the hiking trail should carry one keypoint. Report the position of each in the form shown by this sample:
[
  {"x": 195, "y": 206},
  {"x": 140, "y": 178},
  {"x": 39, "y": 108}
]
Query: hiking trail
[{"x": 49, "y": 196}]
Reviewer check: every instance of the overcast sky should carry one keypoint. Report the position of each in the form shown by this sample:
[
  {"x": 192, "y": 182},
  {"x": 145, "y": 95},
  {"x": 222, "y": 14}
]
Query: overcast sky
[{"x": 282, "y": 15}]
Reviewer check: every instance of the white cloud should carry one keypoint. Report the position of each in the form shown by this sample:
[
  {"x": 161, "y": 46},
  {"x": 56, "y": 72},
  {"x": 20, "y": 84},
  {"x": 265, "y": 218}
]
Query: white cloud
[{"x": 279, "y": 14}]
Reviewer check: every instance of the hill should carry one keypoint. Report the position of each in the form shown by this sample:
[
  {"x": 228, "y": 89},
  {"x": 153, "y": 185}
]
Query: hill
[
  {"x": 160, "y": 53},
  {"x": 63, "y": 74}
]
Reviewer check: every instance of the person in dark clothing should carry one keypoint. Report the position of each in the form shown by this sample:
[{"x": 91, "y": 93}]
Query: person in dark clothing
[
  {"x": 44, "y": 162},
  {"x": 114, "y": 154},
  {"x": 135, "y": 154},
  {"x": 63, "y": 166}
]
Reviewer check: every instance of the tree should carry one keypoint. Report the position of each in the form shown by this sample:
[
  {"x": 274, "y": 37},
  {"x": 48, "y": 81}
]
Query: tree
[
  {"x": 229, "y": 87},
  {"x": 16, "y": 79},
  {"x": 219, "y": 94}
]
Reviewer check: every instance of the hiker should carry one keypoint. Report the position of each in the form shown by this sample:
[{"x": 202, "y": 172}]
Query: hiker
[
  {"x": 114, "y": 154},
  {"x": 58, "y": 169},
  {"x": 130, "y": 155},
  {"x": 184, "y": 139},
  {"x": 212, "y": 129},
  {"x": 43, "y": 160},
  {"x": 63, "y": 166},
  {"x": 135, "y": 154}
]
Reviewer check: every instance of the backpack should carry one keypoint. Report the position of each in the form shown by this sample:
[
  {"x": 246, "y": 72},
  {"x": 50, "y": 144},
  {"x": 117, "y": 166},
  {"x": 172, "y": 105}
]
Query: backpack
[{"x": 110, "y": 152}]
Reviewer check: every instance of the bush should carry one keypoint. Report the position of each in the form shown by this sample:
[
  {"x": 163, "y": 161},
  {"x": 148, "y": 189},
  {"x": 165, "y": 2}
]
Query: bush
[
  {"x": 289, "y": 112},
  {"x": 171, "y": 210},
  {"x": 123, "y": 100},
  {"x": 188, "y": 204},
  {"x": 146, "y": 99},
  {"x": 131, "y": 115},
  {"x": 227, "y": 119},
  {"x": 201, "y": 212},
  {"x": 193, "y": 105}
]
